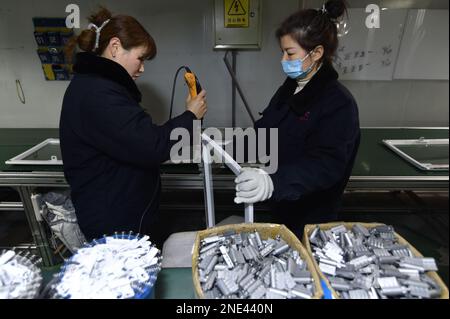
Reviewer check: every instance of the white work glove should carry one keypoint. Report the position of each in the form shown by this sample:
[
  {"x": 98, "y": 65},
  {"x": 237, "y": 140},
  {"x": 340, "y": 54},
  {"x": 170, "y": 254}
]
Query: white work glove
[{"x": 253, "y": 185}]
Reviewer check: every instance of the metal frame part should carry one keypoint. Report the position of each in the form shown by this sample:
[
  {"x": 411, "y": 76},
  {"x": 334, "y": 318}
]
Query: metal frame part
[
  {"x": 393, "y": 145},
  {"x": 208, "y": 181},
  {"x": 21, "y": 158}
]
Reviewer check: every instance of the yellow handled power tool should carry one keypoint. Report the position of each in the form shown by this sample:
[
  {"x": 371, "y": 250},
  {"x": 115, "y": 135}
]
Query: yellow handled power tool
[{"x": 192, "y": 81}]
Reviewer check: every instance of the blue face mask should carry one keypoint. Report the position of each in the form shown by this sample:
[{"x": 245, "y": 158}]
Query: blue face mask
[{"x": 294, "y": 69}]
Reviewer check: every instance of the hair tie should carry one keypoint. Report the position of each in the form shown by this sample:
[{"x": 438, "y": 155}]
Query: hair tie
[{"x": 97, "y": 32}]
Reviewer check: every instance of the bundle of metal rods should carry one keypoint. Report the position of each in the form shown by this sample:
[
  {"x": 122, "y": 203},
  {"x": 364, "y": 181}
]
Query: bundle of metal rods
[
  {"x": 363, "y": 263},
  {"x": 244, "y": 266}
]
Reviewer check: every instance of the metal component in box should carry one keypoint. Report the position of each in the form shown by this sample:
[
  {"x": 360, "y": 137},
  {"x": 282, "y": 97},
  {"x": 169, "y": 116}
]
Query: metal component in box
[
  {"x": 389, "y": 272},
  {"x": 256, "y": 276},
  {"x": 46, "y": 153},
  {"x": 428, "y": 155}
]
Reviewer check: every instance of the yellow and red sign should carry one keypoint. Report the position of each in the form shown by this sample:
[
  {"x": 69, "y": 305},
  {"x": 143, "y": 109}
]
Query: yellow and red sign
[{"x": 237, "y": 13}]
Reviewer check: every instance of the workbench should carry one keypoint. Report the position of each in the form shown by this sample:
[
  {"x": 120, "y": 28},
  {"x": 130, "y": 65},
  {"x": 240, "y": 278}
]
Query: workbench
[
  {"x": 376, "y": 168},
  {"x": 172, "y": 283}
]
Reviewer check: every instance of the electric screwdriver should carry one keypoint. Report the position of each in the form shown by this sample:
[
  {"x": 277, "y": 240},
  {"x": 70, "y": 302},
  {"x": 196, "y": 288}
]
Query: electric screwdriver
[{"x": 192, "y": 81}]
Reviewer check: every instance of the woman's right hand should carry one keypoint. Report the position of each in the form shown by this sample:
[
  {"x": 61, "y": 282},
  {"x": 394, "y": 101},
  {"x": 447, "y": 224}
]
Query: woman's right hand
[{"x": 197, "y": 105}]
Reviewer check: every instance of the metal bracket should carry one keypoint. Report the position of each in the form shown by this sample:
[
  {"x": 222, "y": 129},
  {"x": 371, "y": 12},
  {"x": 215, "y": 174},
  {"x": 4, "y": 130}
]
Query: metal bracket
[{"x": 208, "y": 181}]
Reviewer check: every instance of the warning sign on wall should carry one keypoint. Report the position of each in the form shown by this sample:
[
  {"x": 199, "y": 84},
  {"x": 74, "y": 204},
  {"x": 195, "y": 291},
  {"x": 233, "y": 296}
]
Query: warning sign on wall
[{"x": 237, "y": 13}]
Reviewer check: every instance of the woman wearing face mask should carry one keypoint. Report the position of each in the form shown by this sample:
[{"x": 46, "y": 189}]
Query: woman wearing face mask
[
  {"x": 318, "y": 126},
  {"x": 111, "y": 149}
]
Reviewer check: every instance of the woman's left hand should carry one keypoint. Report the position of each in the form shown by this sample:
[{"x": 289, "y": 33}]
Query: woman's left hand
[{"x": 253, "y": 185}]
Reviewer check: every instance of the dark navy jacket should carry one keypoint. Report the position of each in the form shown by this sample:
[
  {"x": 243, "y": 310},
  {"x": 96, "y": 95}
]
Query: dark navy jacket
[
  {"x": 111, "y": 149},
  {"x": 319, "y": 136}
]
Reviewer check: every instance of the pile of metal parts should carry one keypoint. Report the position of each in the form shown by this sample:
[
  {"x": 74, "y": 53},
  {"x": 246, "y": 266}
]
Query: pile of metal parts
[
  {"x": 20, "y": 277},
  {"x": 122, "y": 266},
  {"x": 243, "y": 266},
  {"x": 363, "y": 263}
]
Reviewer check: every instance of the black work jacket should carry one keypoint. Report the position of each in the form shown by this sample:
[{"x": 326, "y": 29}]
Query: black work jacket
[{"x": 111, "y": 149}]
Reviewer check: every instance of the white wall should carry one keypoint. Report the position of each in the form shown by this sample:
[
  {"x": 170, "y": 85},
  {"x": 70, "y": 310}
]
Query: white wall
[
  {"x": 183, "y": 33},
  {"x": 400, "y": 102}
]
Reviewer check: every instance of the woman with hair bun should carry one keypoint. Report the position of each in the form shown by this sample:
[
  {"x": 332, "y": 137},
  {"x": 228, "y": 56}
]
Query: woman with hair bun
[
  {"x": 111, "y": 149},
  {"x": 317, "y": 121}
]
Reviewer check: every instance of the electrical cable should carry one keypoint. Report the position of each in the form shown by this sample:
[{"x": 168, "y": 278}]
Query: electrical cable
[
  {"x": 170, "y": 117},
  {"x": 173, "y": 89},
  {"x": 149, "y": 204},
  {"x": 20, "y": 93}
]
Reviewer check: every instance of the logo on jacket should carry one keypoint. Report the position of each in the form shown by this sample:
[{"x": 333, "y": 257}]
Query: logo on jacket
[{"x": 304, "y": 117}]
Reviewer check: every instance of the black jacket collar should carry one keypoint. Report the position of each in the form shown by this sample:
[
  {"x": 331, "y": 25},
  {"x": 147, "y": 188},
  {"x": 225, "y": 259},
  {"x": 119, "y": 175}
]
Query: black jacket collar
[
  {"x": 301, "y": 101},
  {"x": 88, "y": 63}
]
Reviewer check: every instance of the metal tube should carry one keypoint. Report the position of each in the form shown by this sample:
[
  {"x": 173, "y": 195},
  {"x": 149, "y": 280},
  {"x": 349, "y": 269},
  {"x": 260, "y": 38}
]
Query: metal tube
[
  {"x": 208, "y": 189},
  {"x": 233, "y": 92},
  {"x": 11, "y": 206},
  {"x": 241, "y": 93}
]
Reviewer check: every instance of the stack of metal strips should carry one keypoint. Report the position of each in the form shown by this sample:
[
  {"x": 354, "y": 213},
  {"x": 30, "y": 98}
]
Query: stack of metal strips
[
  {"x": 122, "y": 266},
  {"x": 243, "y": 266},
  {"x": 20, "y": 276},
  {"x": 363, "y": 263}
]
